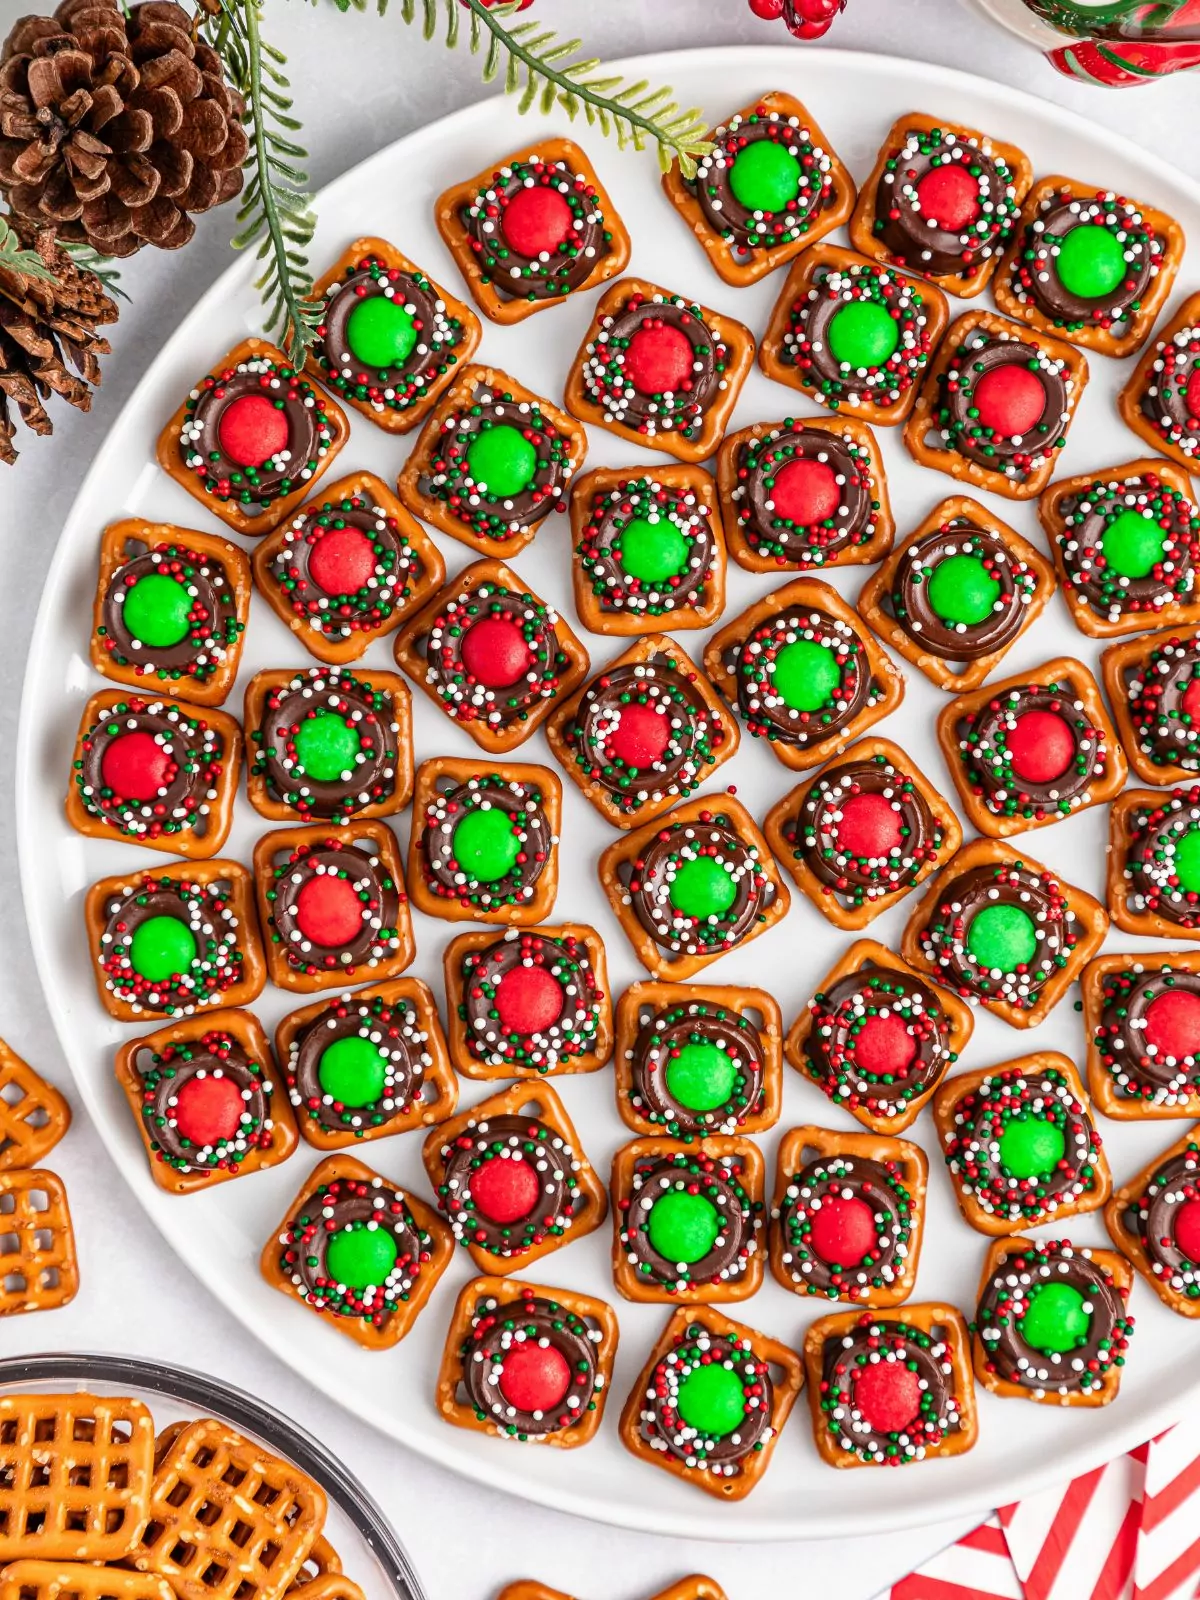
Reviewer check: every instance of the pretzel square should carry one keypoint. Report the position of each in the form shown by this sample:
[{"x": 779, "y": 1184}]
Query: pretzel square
[
  {"x": 975, "y": 729},
  {"x": 38, "y": 1266},
  {"x": 483, "y": 1136},
  {"x": 435, "y": 481},
  {"x": 933, "y": 1336},
  {"x": 818, "y": 1166},
  {"x": 189, "y": 816},
  {"x": 1002, "y": 178},
  {"x": 1119, "y": 994},
  {"x": 695, "y": 1587},
  {"x": 330, "y": 1586},
  {"x": 956, "y": 526},
  {"x": 295, "y": 961},
  {"x": 1147, "y": 1202},
  {"x": 728, "y": 656},
  {"x": 652, "y": 671},
  {"x": 75, "y": 1476},
  {"x": 33, "y": 1115},
  {"x": 728, "y": 827},
  {"x": 340, "y": 1197},
  {"x": 659, "y": 1022},
  {"x": 497, "y": 722},
  {"x": 338, "y": 624},
  {"x": 570, "y": 174},
  {"x": 32, "y": 1579},
  {"x": 599, "y": 392},
  {"x": 847, "y": 885},
  {"x": 879, "y": 1098},
  {"x": 687, "y": 1341},
  {"x": 181, "y": 459},
  {"x": 484, "y": 1331},
  {"x": 484, "y": 1031},
  {"x": 322, "y": 1560},
  {"x": 1147, "y": 679},
  {"x": 1154, "y": 401}
]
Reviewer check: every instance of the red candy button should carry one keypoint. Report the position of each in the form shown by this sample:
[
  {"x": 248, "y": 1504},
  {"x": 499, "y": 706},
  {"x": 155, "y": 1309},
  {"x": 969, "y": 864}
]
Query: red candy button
[
  {"x": 535, "y": 220},
  {"x": 1190, "y": 703},
  {"x": 341, "y": 561},
  {"x": 1187, "y": 1229},
  {"x": 208, "y": 1109},
  {"x": 658, "y": 357},
  {"x": 504, "y": 1189},
  {"x": 843, "y": 1230},
  {"x": 135, "y": 766},
  {"x": 528, "y": 1000},
  {"x": 251, "y": 429},
  {"x": 494, "y": 652},
  {"x": 1010, "y": 400},
  {"x": 869, "y": 826},
  {"x": 888, "y": 1396},
  {"x": 328, "y": 911},
  {"x": 1193, "y": 392},
  {"x": 1040, "y": 746},
  {"x": 806, "y": 491},
  {"x": 640, "y": 737},
  {"x": 1173, "y": 1023},
  {"x": 534, "y": 1377},
  {"x": 884, "y": 1044},
  {"x": 949, "y": 196}
]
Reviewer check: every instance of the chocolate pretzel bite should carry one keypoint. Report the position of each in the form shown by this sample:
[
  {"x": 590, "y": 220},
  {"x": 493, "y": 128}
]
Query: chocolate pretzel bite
[
  {"x": 39, "y": 1269},
  {"x": 1142, "y": 1016},
  {"x": 1153, "y": 686},
  {"x": 527, "y": 1363},
  {"x": 33, "y": 1115},
  {"x": 863, "y": 833},
  {"x": 709, "y": 1404},
  {"x": 1153, "y": 884},
  {"x": 1161, "y": 400},
  {"x": 695, "y": 1587},
  {"x": 1154, "y": 1220},
  {"x": 847, "y": 1216}
]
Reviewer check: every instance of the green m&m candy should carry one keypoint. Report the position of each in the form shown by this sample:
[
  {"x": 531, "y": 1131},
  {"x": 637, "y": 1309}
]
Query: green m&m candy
[
  {"x": 764, "y": 176},
  {"x": 353, "y": 1071},
  {"x": 683, "y": 1227},
  {"x": 711, "y": 1399},
  {"x": 380, "y": 333},
  {"x": 156, "y": 610},
  {"x": 1002, "y": 938},
  {"x": 486, "y": 845},
  {"x": 962, "y": 591},
  {"x": 805, "y": 675},
  {"x": 1090, "y": 262},
  {"x": 652, "y": 551},
  {"x": 360, "y": 1257},
  {"x": 1187, "y": 859},
  {"x": 1132, "y": 545},
  {"x": 701, "y": 1077},
  {"x": 161, "y": 948},
  {"x": 862, "y": 333},
  {"x": 1057, "y": 1320},
  {"x": 327, "y": 747},
  {"x": 502, "y": 459},
  {"x": 702, "y": 888},
  {"x": 1031, "y": 1146}
]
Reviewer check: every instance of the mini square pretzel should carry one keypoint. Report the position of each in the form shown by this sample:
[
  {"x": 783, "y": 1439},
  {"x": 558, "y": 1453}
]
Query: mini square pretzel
[
  {"x": 332, "y": 905},
  {"x": 527, "y": 1002},
  {"x": 1153, "y": 885},
  {"x": 770, "y": 187},
  {"x": 853, "y": 335},
  {"x": 862, "y": 833},
  {"x": 527, "y": 1363},
  {"x": 847, "y": 1216},
  {"x": 804, "y": 494},
  {"x": 709, "y": 1404},
  {"x": 877, "y": 1038},
  {"x": 957, "y": 594},
  {"x": 1089, "y": 265},
  {"x": 156, "y": 772},
  {"x": 75, "y": 1476},
  {"x": 888, "y": 1391},
  {"x": 647, "y": 731},
  {"x": 491, "y": 463},
  {"x": 942, "y": 200},
  {"x": 33, "y": 1115},
  {"x": 1142, "y": 1018},
  {"x": 1148, "y": 680},
  {"x": 485, "y": 841},
  {"x": 694, "y": 885},
  {"x": 532, "y": 230},
  {"x": 1152, "y": 1221},
  {"x": 658, "y": 370},
  {"x": 365, "y": 1065},
  {"x": 1064, "y": 1349},
  {"x": 492, "y": 655},
  {"x": 996, "y": 405},
  {"x": 803, "y": 672},
  {"x": 252, "y": 438},
  {"x": 1002, "y": 931},
  {"x": 511, "y": 1179},
  {"x": 695, "y": 1587},
  {"x": 696, "y": 1059},
  {"x": 38, "y": 1267},
  {"x": 1126, "y": 543},
  {"x": 360, "y": 1251},
  {"x": 170, "y": 610},
  {"x": 1160, "y": 402},
  {"x": 1031, "y": 750},
  {"x": 208, "y": 1100},
  {"x": 77, "y": 1580},
  {"x": 327, "y": 744},
  {"x": 648, "y": 550},
  {"x": 347, "y": 568}
]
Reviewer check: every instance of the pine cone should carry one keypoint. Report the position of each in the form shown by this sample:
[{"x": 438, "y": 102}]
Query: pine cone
[
  {"x": 116, "y": 128},
  {"x": 42, "y": 327}
]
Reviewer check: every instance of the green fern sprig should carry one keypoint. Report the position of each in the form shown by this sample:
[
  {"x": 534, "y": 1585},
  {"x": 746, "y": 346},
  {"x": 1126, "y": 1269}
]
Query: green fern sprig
[{"x": 15, "y": 257}]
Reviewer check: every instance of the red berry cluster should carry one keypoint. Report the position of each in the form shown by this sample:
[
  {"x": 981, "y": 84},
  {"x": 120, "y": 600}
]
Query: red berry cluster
[{"x": 804, "y": 19}]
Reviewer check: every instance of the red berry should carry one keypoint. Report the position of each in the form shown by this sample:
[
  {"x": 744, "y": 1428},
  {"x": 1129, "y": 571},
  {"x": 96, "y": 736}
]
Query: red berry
[{"x": 768, "y": 10}]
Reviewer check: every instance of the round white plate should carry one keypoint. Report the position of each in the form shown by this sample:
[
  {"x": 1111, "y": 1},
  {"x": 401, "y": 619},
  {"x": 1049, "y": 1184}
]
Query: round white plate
[{"x": 220, "y": 1233}]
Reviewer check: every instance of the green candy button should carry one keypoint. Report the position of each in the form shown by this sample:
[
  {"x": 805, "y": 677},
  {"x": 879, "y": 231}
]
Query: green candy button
[
  {"x": 1057, "y": 1320},
  {"x": 862, "y": 334},
  {"x": 702, "y": 888},
  {"x": 1090, "y": 261},
  {"x": 380, "y": 333},
  {"x": 360, "y": 1257},
  {"x": 1002, "y": 938},
  {"x": 652, "y": 551},
  {"x": 683, "y": 1227},
  {"x": 805, "y": 675},
  {"x": 962, "y": 590},
  {"x": 765, "y": 176},
  {"x": 326, "y": 747},
  {"x": 1187, "y": 860},
  {"x": 701, "y": 1077},
  {"x": 711, "y": 1400},
  {"x": 485, "y": 846},
  {"x": 156, "y": 611},
  {"x": 1132, "y": 545},
  {"x": 353, "y": 1072},
  {"x": 1031, "y": 1147},
  {"x": 161, "y": 948},
  {"x": 502, "y": 459}
]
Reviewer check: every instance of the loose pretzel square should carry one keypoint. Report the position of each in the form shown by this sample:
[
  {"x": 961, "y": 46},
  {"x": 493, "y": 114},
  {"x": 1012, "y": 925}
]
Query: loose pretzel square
[
  {"x": 33, "y": 1115},
  {"x": 941, "y": 1339},
  {"x": 38, "y": 1267},
  {"x": 825, "y": 191},
  {"x": 1154, "y": 401},
  {"x": 498, "y": 1318},
  {"x": 161, "y": 1072},
  {"x": 1002, "y": 179},
  {"x": 1147, "y": 683},
  {"x": 817, "y": 1170},
  {"x": 648, "y": 1435},
  {"x": 955, "y": 526},
  {"x": 435, "y": 482},
  {"x": 207, "y": 570},
  {"x": 75, "y": 1476},
  {"x": 729, "y": 652},
  {"x": 188, "y": 815},
  {"x": 489, "y": 997},
  {"x": 384, "y": 545},
  {"x": 873, "y": 1096},
  {"x": 603, "y": 393},
  {"x": 180, "y": 459},
  {"x": 931, "y": 434},
  {"x": 853, "y": 883},
  {"x": 521, "y": 885},
  {"x": 32, "y": 1579},
  {"x": 331, "y": 1586},
  {"x": 497, "y": 722},
  {"x": 523, "y": 1126},
  {"x": 1119, "y": 994},
  {"x": 1001, "y": 773},
  {"x": 295, "y": 959},
  {"x": 1147, "y": 1201},
  {"x": 657, "y": 1023},
  {"x": 340, "y": 1197},
  {"x": 584, "y": 732},
  {"x": 594, "y": 220},
  {"x": 1141, "y": 880},
  {"x": 695, "y": 1587}
]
